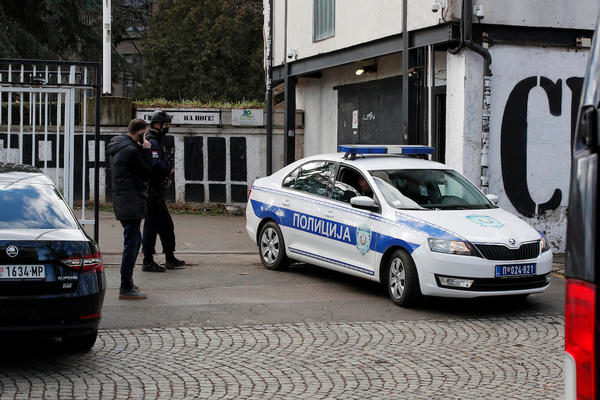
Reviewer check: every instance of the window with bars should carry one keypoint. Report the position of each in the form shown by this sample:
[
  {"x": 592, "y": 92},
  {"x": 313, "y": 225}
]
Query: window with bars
[{"x": 324, "y": 19}]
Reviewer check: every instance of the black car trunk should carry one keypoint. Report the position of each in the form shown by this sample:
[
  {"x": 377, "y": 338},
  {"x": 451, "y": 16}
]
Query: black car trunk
[{"x": 33, "y": 268}]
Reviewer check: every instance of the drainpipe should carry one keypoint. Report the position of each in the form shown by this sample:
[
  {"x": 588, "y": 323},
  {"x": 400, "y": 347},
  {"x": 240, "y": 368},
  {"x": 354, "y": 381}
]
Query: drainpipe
[
  {"x": 466, "y": 40},
  {"x": 405, "y": 61},
  {"x": 269, "y": 80},
  {"x": 430, "y": 86}
]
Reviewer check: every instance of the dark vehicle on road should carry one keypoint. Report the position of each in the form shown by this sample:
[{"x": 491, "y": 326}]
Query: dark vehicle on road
[
  {"x": 52, "y": 280},
  {"x": 582, "y": 329}
]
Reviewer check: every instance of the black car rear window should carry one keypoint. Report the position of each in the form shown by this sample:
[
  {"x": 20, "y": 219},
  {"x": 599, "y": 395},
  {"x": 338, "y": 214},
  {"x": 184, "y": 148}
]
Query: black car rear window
[{"x": 33, "y": 207}]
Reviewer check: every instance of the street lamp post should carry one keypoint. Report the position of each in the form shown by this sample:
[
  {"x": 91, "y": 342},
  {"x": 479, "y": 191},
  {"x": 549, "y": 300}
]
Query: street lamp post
[{"x": 106, "y": 46}]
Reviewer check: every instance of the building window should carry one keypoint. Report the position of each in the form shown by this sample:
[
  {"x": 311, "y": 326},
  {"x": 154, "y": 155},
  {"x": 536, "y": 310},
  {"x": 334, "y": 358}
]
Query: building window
[{"x": 324, "y": 19}]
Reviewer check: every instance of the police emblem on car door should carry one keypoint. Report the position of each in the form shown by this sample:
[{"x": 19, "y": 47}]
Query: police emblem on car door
[{"x": 363, "y": 239}]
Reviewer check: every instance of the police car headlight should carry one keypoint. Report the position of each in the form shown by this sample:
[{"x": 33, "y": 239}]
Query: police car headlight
[
  {"x": 451, "y": 247},
  {"x": 545, "y": 244}
]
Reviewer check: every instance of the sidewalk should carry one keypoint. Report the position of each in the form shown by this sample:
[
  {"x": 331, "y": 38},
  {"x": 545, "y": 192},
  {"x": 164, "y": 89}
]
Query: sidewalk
[{"x": 195, "y": 235}]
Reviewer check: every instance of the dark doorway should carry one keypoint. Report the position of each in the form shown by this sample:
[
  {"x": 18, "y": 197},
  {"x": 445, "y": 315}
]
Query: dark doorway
[
  {"x": 371, "y": 112},
  {"x": 438, "y": 137}
]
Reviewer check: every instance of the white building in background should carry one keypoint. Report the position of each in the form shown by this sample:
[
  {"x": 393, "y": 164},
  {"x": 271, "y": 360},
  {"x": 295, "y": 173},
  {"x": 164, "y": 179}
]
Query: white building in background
[{"x": 538, "y": 51}]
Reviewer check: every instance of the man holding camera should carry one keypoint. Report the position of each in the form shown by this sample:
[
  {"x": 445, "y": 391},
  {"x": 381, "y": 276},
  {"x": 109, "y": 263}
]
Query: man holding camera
[
  {"x": 159, "y": 220},
  {"x": 130, "y": 165}
]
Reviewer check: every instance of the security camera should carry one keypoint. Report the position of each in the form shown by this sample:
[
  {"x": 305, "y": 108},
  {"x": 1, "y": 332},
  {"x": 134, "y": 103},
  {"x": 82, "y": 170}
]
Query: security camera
[
  {"x": 292, "y": 54},
  {"x": 437, "y": 4}
]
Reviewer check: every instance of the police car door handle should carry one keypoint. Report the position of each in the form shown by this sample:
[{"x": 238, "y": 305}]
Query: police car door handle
[
  {"x": 286, "y": 203},
  {"x": 329, "y": 214}
]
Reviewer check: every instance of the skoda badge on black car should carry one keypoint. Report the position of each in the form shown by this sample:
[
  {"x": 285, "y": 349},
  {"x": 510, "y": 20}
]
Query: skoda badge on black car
[{"x": 12, "y": 251}]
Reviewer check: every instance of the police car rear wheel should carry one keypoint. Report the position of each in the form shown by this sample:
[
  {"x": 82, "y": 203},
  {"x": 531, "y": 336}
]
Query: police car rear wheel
[
  {"x": 401, "y": 279},
  {"x": 272, "y": 247}
]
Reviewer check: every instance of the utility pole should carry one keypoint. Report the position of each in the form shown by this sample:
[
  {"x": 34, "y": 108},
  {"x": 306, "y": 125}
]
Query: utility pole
[{"x": 106, "y": 46}]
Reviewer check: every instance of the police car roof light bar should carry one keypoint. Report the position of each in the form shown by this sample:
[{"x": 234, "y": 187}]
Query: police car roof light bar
[{"x": 352, "y": 150}]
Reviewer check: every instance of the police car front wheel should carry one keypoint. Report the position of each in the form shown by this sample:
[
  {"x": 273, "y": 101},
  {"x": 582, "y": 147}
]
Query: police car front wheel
[
  {"x": 272, "y": 247},
  {"x": 401, "y": 279}
]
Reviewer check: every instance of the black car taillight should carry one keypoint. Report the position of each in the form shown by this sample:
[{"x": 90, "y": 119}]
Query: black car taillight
[
  {"x": 580, "y": 335},
  {"x": 90, "y": 262}
]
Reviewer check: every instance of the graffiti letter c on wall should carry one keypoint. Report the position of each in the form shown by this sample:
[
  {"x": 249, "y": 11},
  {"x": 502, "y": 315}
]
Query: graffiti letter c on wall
[{"x": 513, "y": 141}]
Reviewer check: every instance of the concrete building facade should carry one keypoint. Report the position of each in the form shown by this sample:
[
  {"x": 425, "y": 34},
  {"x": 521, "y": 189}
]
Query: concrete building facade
[{"x": 506, "y": 125}]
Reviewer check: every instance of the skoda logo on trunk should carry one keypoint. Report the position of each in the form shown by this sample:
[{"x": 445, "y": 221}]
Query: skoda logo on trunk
[{"x": 12, "y": 251}]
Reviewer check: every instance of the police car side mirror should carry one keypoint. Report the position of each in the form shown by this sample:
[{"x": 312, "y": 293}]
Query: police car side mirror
[
  {"x": 364, "y": 203},
  {"x": 493, "y": 198}
]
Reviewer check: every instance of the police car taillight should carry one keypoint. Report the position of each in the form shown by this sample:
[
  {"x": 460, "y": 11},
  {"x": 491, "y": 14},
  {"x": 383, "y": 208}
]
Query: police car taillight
[
  {"x": 249, "y": 192},
  {"x": 581, "y": 337}
]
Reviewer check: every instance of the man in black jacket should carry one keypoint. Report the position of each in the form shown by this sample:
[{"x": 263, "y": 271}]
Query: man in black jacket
[
  {"x": 159, "y": 220},
  {"x": 131, "y": 165}
]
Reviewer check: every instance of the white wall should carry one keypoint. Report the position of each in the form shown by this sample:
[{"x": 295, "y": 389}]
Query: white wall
[
  {"x": 580, "y": 14},
  {"x": 548, "y": 136},
  {"x": 360, "y": 21},
  {"x": 464, "y": 93},
  {"x": 356, "y": 22}
]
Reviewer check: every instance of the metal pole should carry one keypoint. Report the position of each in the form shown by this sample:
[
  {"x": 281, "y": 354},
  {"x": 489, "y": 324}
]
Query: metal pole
[
  {"x": 72, "y": 136},
  {"x": 269, "y": 37},
  {"x": 106, "y": 46},
  {"x": 46, "y": 152},
  {"x": 9, "y": 109},
  {"x": 22, "y": 97},
  {"x": 289, "y": 114},
  {"x": 405, "y": 50},
  {"x": 32, "y": 108},
  {"x": 58, "y": 123},
  {"x": 97, "y": 158},
  {"x": 84, "y": 146},
  {"x": 430, "y": 84}
]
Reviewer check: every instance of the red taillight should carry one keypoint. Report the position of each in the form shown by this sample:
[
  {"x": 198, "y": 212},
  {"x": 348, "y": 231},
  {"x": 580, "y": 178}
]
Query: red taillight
[
  {"x": 580, "y": 334},
  {"x": 91, "y": 316},
  {"x": 249, "y": 192},
  {"x": 90, "y": 262}
]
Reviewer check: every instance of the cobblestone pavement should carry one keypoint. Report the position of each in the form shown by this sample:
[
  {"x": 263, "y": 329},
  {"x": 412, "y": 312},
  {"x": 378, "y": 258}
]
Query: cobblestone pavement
[{"x": 517, "y": 357}]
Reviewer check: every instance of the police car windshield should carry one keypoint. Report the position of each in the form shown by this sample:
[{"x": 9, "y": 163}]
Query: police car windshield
[{"x": 429, "y": 189}]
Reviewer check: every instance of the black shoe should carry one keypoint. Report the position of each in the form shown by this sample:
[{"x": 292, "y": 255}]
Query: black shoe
[
  {"x": 132, "y": 294},
  {"x": 152, "y": 266},
  {"x": 174, "y": 263}
]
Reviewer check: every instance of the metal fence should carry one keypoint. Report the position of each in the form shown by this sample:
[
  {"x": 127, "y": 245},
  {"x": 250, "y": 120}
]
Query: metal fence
[{"x": 41, "y": 104}]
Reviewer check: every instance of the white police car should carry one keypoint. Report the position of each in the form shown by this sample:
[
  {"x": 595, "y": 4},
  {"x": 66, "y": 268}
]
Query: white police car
[{"x": 386, "y": 214}]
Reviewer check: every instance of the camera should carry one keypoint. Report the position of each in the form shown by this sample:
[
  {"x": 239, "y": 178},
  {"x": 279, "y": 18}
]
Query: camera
[{"x": 292, "y": 54}]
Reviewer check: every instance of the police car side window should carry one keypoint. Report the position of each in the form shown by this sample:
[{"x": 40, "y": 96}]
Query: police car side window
[
  {"x": 312, "y": 177},
  {"x": 350, "y": 183},
  {"x": 290, "y": 180}
]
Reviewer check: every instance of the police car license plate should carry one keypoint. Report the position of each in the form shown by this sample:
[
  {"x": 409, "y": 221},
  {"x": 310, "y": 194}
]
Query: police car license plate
[
  {"x": 22, "y": 272},
  {"x": 503, "y": 271}
]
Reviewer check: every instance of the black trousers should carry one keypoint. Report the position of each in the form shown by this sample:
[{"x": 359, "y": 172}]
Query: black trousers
[
  {"x": 132, "y": 239},
  {"x": 158, "y": 222}
]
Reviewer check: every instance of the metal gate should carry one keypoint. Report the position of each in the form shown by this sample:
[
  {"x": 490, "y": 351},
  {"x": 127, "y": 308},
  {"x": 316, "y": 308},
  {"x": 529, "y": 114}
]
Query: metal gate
[{"x": 44, "y": 123}]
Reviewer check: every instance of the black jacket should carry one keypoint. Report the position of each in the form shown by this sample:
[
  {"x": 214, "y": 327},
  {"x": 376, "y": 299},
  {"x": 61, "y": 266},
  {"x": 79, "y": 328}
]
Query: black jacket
[
  {"x": 161, "y": 166},
  {"x": 130, "y": 167}
]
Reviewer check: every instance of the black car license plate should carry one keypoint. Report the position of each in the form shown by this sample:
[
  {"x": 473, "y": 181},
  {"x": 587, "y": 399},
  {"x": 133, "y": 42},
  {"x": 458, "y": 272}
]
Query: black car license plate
[
  {"x": 22, "y": 272},
  {"x": 503, "y": 271}
]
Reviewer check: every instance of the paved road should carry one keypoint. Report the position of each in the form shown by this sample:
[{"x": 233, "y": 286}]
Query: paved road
[
  {"x": 517, "y": 358},
  {"x": 227, "y": 328},
  {"x": 234, "y": 290}
]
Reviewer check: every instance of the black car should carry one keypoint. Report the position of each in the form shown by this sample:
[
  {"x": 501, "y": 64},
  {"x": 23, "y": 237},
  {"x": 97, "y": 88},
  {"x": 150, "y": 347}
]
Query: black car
[
  {"x": 52, "y": 280},
  {"x": 582, "y": 322}
]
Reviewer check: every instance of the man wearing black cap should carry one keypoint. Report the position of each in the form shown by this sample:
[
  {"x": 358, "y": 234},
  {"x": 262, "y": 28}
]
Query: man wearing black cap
[{"x": 159, "y": 220}]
